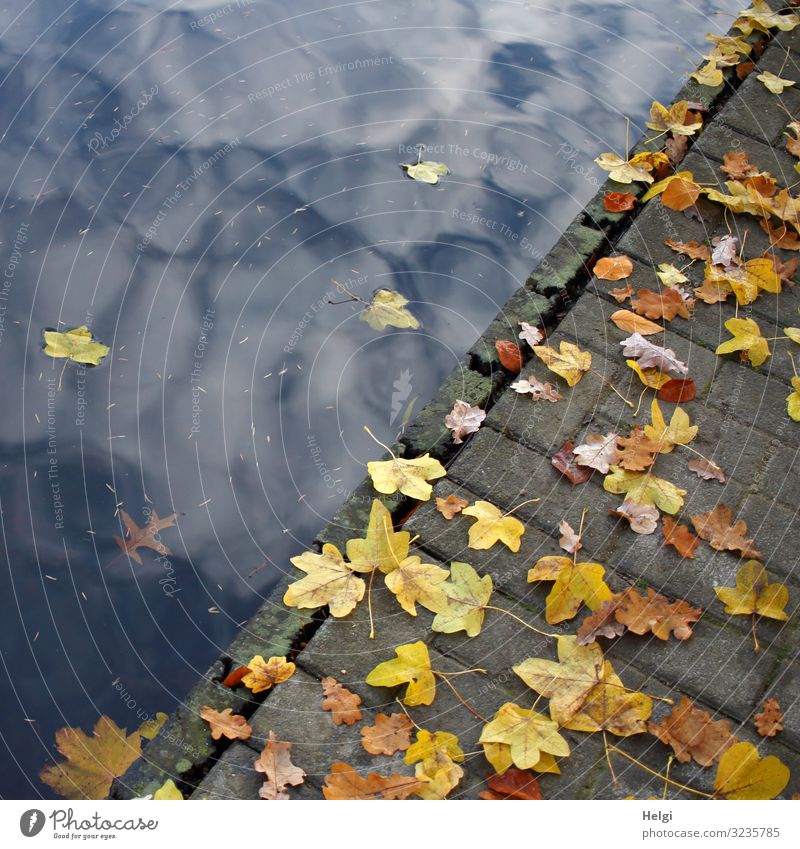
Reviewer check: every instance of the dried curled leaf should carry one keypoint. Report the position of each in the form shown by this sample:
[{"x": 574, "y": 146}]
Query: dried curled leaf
[
  {"x": 652, "y": 356},
  {"x": 717, "y": 528},
  {"x": 388, "y": 735},
  {"x": 451, "y": 505},
  {"x": 538, "y": 391},
  {"x": 641, "y": 518},
  {"x": 693, "y": 735},
  {"x": 569, "y": 540},
  {"x": 464, "y": 419},
  {"x": 275, "y": 761},
  {"x": 530, "y": 334},
  {"x": 345, "y": 783},
  {"x": 706, "y": 470},
  {"x": 770, "y": 721},
  {"x": 226, "y": 724},
  {"x": 598, "y": 452},
  {"x": 341, "y": 702}
]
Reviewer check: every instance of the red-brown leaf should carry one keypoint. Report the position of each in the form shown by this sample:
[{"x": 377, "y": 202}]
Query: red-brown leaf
[
  {"x": 566, "y": 463},
  {"x": 512, "y": 784},
  {"x": 678, "y": 389},
  {"x": 618, "y": 201},
  {"x": 509, "y": 354},
  {"x": 236, "y": 676}
]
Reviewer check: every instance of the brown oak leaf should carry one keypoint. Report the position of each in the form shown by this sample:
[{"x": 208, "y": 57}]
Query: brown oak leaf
[
  {"x": 464, "y": 419},
  {"x": 136, "y": 537},
  {"x": 342, "y": 704},
  {"x": 226, "y": 723},
  {"x": 345, "y": 783},
  {"x": 737, "y": 165},
  {"x": 694, "y": 250},
  {"x": 680, "y": 538},
  {"x": 451, "y": 505},
  {"x": 652, "y": 356},
  {"x": 275, "y": 761},
  {"x": 692, "y": 733},
  {"x": 655, "y": 613},
  {"x": 512, "y": 784},
  {"x": 601, "y": 623},
  {"x": 567, "y": 463},
  {"x": 706, "y": 470},
  {"x": 715, "y": 527},
  {"x": 637, "y": 451},
  {"x": 622, "y": 294},
  {"x": 665, "y": 304},
  {"x": 770, "y": 721},
  {"x": 388, "y": 735},
  {"x": 781, "y": 236}
]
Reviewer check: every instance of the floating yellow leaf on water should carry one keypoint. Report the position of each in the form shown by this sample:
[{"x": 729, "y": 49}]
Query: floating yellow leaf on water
[
  {"x": 746, "y": 337},
  {"x": 742, "y": 774},
  {"x": 467, "y": 595},
  {"x": 407, "y": 476},
  {"x": 76, "y": 345},
  {"x": 412, "y": 666},
  {"x": 621, "y": 170},
  {"x": 645, "y": 488},
  {"x": 774, "y": 83},
  {"x": 492, "y": 526},
  {"x": 568, "y": 362},
  {"x": 753, "y": 594},
  {"x": 388, "y": 309},
  {"x": 678, "y": 432},
  {"x": 528, "y": 734},
  {"x": 425, "y": 171},
  {"x": 575, "y": 584}
]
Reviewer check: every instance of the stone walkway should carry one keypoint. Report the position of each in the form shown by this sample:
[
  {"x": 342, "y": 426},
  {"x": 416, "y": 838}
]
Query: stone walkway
[{"x": 744, "y": 427}]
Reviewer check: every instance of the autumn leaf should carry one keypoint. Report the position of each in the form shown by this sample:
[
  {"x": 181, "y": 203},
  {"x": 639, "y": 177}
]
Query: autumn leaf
[
  {"x": 538, "y": 391},
  {"x": 567, "y": 463},
  {"x": 76, "y": 345},
  {"x": 753, "y": 594},
  {"x": 706, "y": 470},
  {"x": 388, "y": 735},
  {"x": 637, "y": 451},
  {"x": 569, "y": 540},
  {"x": 677, "y": 119},
  {"x": 150, "y": 727},
  {"x": 613, "y": 268},
  {"x": 263, "y": 675},
  {"x": 382, "y": 548},
  {"x": 414, "y": 582},
  {"x": 146, "y": 537},
  {"x": 598, "y": 452},
  {"x": 437, "y": 757},
  {"x": 716, "y": 527},
  {"x": 575, "y": 584},
  {"x": 652, "y": 356},
  {"x": 513, "y": 784},
  {"x": 746, "y": 281},
  {"x": 528, "y": 734},
  {"x": 568, "y": 362},
  {"x": 645, "y": 488},
  {"x": 650, "y": 377},
  {"x": 678, "y": 432},
  {"x": 654, "y": 614},
  {"x": 602, "y": 623},
  {"x": 746, "y": 337},
  {"x": 793, "y": 400},
  {"x": 761, "y": 17},
  {"x": 774, "y": 83},
  {"x": 678, "y": 389},
  {"x": 329, "y": 581},
  {"x": 680, "y": 194},
  {"x": 492, "y": 526},
  {"x": 234, "y": 678},
  {"x": 693, "y": 250},
  {"x": 530, "y": 334},
  {"x": 793, "y": 144},
  {"x": 388, "y": 309},
  {"x": 742, "y": 774},
  {"x": 412, "y": 666},
  {"x": 464, "y": 419},
  {"x": 770, "y": 721},
  {"x": 168, "y": 792},
  {"x": 736, "y": 164},
  {"x": 345, "y": 783},
  {"x": 618, "y": 201},
  {"x": 467, "y": 594},
  {"x": 425, "y": 171},
  {"x": 709, "y": 75},
  {"x": 451, "y": 505},
  {"x": 225, "y": 724},
  {"x": 584, "y": 691},
  {"x": 622, "y": 170},
  {"x": 427, "y": 744},
  {"x": 670, "y": 276},
  {"x": 509, "y": 355},
  {"x": 680, "y": 538},
  {"x": 407, "y": 476},
  {"x": 641, "y": 518},
  {"x": 665, "y": 304},
  {"x": 629, "y": 322},
  {"x": 693, "y": 735},
  {"x": 341, "y": 702},
  {"x": 275, "y": 761},
  {"x": 675, "y": 147},
  {"x": 622, "y": 293},
  {"x": 91, "y": 763}
]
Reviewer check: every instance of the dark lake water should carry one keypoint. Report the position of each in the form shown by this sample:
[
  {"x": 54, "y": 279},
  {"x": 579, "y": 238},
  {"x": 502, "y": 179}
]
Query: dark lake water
[{"x": 188, "y": 179}]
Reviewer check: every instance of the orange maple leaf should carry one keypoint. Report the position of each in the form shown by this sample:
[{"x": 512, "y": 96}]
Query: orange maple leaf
[
  {"x": 342, "y": 703},
  {"x": 345, "y": 783},
  {"x": 275, "y": 761},
  {"x": 693, "y": 734},
  {"x": 388, "y": 735},
  {"x": 226, "y": 724},
  {"x": 715, "y": 527}
]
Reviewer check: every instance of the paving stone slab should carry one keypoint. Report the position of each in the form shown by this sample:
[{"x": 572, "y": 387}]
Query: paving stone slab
[
  {"x": 569, "y": 260},
  {"x": 784, "y": 685}
]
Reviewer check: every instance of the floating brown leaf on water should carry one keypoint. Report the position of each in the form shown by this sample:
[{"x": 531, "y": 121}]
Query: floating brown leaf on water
[
  {"x": 693, "y": 734},
  {"x": 618, "y": 201},
  {"x": 342, "y": 704},
  {"x": 275, "y": 761},
  {"x": 388, "y": 735},
  {"x": 464, "y": 419},
  {"x": 770, "y": 721},
  {"x": 679, "y": 537},
  {"x": 567, "y": 463},
  {"x": 145, "y": 537},
  {"x": 694, "y": 250},
  {"x": 707, "y": 470},
  {"x": 677, "y": 390},
  {"x": 509, "y": 354},
  {"x": 722, "y": 534},
  {"x": 512, "y": 784},
  {"x": 451, "y": 505}
]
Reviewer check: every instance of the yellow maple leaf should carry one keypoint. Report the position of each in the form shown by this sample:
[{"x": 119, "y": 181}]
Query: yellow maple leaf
[
  {"x": 76, "y": 345},
  {"x": 414, "y": 581},
  {"x": 793, "y": 400},
  {"x": 678, "y": 432},
  {"x": 427, "y": 745},
  {"x": 492, "y": 526},
  {"x": 742, "y": 774},
  {"x": 746, "y": 337},
  {"x": 499, "y": 756},
  {"x": 408, "y": 476},
  {"x": 774, "y": 83},
  {"x": 568, "y": 362},
  {"x": 753, "y": 594},
  {"x": 168, "y": 792},
  {"x": 623, "y": 171},
  {"x": 383, "y": 548},
  {"x": 575, "y": 584},
  {"x": 91, "y": 763},
  {"x": 672, "y": 120},
  {"x": 437, "y": 757},
  {"x": 528, "y": 734},
  {"x": 661, "y": 186},
  {"x": 709, "y": 75},
  {"x": 467, "y": 595},
  {"x": 746, "y": 280},
  {"x": 329, "y": 581},
  {"x": 388, "y": 309},
  {"x": 766, "y": 18},
  {"x": 584, "y": 691},
  {"x": 645, "y": 488},
  {"x": 650, "y": 377},
  {"x": 412, "y": 666},
  {"x": 265, "y": 674}
]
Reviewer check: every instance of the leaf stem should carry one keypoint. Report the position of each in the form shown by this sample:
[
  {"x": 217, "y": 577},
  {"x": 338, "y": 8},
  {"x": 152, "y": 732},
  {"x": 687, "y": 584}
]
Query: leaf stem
[
  {"x": 580, "y": 535},
  {"x": 382, "y": 444},
  {"x": 611, "y": 387},
  {"x": 468, "y": 706},
  {"x": 702, "y": 456},
  {"x": 608, "y": 759},
  {"x": 663, "y": 777},
  {"x": 521, "y": 621},
  {"x": 756, "y": 644},
  {"x": 369, "y": 604},
  {"x": 403, "y": 708},
  {"x": 521, "y": 504}
]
